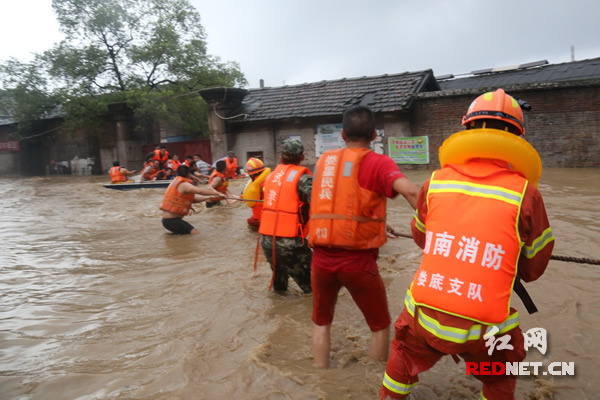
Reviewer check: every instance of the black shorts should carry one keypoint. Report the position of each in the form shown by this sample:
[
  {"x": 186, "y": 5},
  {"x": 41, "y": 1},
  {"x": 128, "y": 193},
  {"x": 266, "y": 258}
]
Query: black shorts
[
  {"x": 177, "y": 225},
  {"x": 210, "y": 204}
]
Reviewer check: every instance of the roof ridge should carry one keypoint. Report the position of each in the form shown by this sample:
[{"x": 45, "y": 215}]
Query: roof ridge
[{"x": 325, "y": 81}]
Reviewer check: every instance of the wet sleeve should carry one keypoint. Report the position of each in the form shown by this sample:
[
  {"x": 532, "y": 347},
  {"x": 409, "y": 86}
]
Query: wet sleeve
[
  {"x": 535, "y": 232},
  {"x": 305, "y": 188},
  {"x": 417, "y": 225}
]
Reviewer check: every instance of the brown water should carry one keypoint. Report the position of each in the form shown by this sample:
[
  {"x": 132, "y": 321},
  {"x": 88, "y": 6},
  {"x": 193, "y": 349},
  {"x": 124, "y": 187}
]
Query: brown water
[{"x": 98, "y": 301}]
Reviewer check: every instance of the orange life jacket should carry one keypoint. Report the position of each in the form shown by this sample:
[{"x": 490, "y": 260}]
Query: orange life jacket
[
  {"x": 281, "y": 207},
  {"x": 342, "y": 213},
  {"x": 472, "y": 242},
  {"x": 116, "y": 175},
  {"x": 147, "y": 174},
  {"x": 221, "y": 188},
  {"x": 232, "y": 167},
  {"x": 162, "y": 159},
  {"x": 174, "y": 164},
  {"x": 155, "y": 174},
  {"x": 176, "y": 202}
]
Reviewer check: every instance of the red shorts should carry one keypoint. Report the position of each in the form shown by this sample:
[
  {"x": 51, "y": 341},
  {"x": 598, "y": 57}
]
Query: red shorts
[{"x": 365, "y": 287}]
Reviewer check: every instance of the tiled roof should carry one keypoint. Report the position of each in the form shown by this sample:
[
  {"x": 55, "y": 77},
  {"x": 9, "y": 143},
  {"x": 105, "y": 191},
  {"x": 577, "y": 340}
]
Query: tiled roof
[
  {"x": 571, "y": 71},
  {"x": 385, "y": 93}
]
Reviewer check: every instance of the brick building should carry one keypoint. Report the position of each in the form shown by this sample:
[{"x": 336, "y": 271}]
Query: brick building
[{"x": 563, "y": 124}]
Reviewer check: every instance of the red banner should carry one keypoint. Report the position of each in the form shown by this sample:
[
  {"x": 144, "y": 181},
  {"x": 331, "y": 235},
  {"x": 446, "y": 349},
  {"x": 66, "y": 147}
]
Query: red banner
[{"x": 10, "y": 146}]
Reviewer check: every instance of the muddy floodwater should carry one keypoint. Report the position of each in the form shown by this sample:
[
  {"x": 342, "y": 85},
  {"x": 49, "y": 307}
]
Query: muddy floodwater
[{"x": 98, "y": 301}]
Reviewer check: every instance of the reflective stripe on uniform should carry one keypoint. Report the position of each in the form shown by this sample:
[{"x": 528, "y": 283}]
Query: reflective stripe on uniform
[
  {"x": 539, "y": 243},
  {"x": 397, "y": 387},
  {"x": 452, "y": 334},
  {"x": 481, "y": 396},
  {"x": 418, "y": 224},
  {"x": 474, "y": 189},
  {"x": 509, "y": 323}
]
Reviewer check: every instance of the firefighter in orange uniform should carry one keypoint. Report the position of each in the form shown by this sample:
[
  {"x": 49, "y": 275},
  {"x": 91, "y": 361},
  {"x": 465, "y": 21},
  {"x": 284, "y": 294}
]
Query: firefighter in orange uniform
[
  {"x": 285, "y": 218},
  {"x": 482, "y": 226},
  {"x": 178, "y": 199},
  {"x": 119, "y": 174}
]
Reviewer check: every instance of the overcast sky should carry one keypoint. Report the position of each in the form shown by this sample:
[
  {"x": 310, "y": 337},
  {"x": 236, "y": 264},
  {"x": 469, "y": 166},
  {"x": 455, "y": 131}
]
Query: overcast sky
[{"x": 288, "y": 42}]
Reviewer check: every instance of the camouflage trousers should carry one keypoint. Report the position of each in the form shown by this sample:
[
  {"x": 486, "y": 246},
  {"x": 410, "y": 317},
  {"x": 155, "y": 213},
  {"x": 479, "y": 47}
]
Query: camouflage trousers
[{"x": 292, "y": 259}]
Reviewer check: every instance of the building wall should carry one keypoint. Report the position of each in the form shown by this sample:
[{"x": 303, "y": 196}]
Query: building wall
[
  {"x": 9, "y": 159},
  {"x": 249, "y": 141},
  {"x": 563, "y": 124},
  {"x": 268, "y": 138}
]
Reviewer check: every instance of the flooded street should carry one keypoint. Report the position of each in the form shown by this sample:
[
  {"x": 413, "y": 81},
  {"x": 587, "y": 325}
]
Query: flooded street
[{"x": 99, "y": 301}]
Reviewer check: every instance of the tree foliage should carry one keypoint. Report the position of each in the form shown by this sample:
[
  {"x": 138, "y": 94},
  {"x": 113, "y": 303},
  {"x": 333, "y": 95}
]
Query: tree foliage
[
  {"x": 150, "y": 54},
  {"x": 27, "y": 98}
]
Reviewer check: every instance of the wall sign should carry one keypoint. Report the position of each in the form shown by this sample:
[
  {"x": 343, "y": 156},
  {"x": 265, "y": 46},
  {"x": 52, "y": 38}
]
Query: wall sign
[{"x": 409, "y": 150}]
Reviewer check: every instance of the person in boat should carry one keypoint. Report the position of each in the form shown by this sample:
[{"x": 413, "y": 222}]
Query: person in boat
[
  {"x": 174, "y": 162},
  {"x": 482, "y": 226},
  {"x": 163, "y": 174},
  {"x": 150, "y": 171},
  {"x": 196, "y": 176},
  {"x": 161, "y": 154},
  {"x": 218, "y": 181},
  {"x": 254, "y": 189},
  {"x": 178, "y": 199},
  {"x": 203, "y": 166},
  {"x": 283, "y": 223},
  {"x": 119, "y": 174},
  {"x": 347, "y": 228},
  {"x": 201, "y": 169}
]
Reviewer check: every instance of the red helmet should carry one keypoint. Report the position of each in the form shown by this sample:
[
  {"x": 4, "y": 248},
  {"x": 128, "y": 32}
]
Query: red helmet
[
  {"x": 254, "y": 166},
  {"x": 496, "y": 105}
]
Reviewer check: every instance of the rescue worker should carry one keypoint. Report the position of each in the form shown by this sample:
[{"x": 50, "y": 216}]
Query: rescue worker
[
  {"x": 285, "y": 217},
  {"x": 151, "y": 170},
  {"x": 233, "y": 168},
  {"x": 161, "y": 154},
  {"x": 254, "y": 168},
  {"x": 219, "y": 182},
  {"x": 482, "y": 226},
  {"x": 178, "y": 199},
  {"x": 119, "y": 174},
  {"x": 347, "y": 227}
]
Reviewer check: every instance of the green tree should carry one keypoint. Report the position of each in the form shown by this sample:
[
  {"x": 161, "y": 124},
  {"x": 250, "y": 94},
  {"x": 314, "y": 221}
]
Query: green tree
[
  {"x": 149, "y": 54},
  {"x": 27, "y": 97}
]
